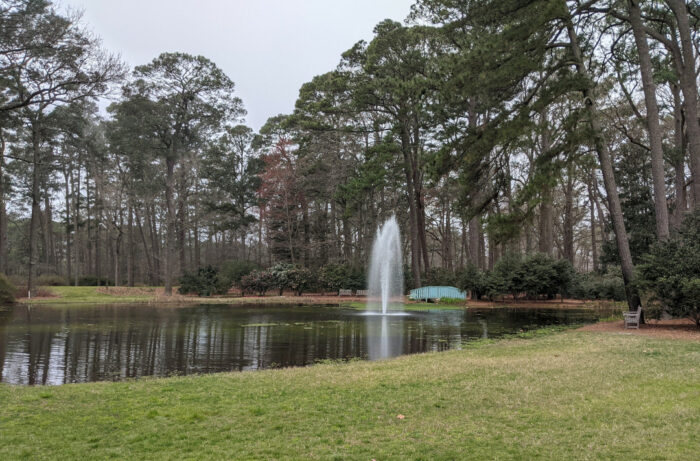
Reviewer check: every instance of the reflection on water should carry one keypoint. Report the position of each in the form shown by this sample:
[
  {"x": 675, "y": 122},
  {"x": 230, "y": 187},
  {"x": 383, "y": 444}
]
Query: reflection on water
[
  {"x": 56, "y": 345},
  {"x": 385, "y": 336}
]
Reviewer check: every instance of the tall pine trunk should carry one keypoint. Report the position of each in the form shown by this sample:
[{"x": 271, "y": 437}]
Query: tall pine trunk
[
  {"x": 568, "y": 224},
  {"x": 170, "y": 226},
  {"x": 3, "y": 210},
  {"x": 678, "y": 157},
  {"x": 594, "y": 242},
  {"x": 35, "y": 196},
  {"x": 653, "y": 126},
  {"x": 688, "y": 81},
  {"x": 66, "y": 178},
  {"x": 412, "y": 212},
  {"x": 606, "y": 166}
]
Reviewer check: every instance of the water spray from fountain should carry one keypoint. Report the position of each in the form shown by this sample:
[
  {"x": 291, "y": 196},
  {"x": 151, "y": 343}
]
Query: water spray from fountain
[{"x": 385, "y": 280}]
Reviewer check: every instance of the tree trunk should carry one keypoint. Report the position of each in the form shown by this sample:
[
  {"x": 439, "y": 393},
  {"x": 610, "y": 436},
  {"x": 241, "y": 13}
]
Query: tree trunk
[
  {"x": 155, "y": 243},
  {"x": 678, "y": 157},
  {"x": 448, "y": 239},
  {"x": 545, "y": 243},
  {"x": 33, "y": 221},
  {"x": 546, "y": 239},
  {"x": 306, "y": 229},
  {"x": 481, "y": 247},
  {"x": 420, "y": 222},
  {"x": 98, "y": 231},
  {"x": 170, "y": 231},
  {"x": 474, "y": 239},
  {"x": 66, "y": 178},
  {"x": 49, "y": 236},
  {"x": 653, "y": 126},
  {"x": 568, "y": 224},
  {"x": 197, "y": 261},
  {"x": 130, "y": 253},
  {"x": 182, "y": 220},
  {"x": 149, "y": 259},
  {"x": 3, "y": 210},
  {"x": 464, "y": 245},
  {"x": 594, "y": 245},
  {"x": 117, "y": 256},
  {"x": 76, "y": 221},
  {"x": 87, "y": 268},
  {"x": 412, "y": 212},
  {"x": 606, "y": 166},
  {"x": 688, "y": 80}
]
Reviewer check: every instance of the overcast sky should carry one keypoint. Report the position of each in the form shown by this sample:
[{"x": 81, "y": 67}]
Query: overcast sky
[{"x": 269, "y": 48}]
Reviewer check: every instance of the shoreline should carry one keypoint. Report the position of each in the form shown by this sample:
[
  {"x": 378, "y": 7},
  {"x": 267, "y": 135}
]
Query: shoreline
[{"x": 154, "y": 296}]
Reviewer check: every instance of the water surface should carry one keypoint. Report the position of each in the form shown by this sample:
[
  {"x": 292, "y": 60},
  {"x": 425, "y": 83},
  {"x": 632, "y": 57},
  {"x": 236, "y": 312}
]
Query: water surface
[{"x": 64, "y": 344}]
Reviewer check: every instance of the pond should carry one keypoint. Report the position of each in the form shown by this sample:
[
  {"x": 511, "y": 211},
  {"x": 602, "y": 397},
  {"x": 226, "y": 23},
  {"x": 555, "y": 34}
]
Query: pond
[{"x": 72, "y": 344}]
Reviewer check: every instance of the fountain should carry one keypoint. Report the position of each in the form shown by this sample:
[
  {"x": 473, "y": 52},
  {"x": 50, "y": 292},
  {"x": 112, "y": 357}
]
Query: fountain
[{"x": 385, "y": 281}]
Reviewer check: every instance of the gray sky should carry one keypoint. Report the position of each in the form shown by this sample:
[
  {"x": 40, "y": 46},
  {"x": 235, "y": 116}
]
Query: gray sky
[{"x": 269, "y": 48}]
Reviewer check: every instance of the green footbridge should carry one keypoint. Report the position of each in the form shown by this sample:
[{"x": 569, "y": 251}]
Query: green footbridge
[{"x": 427, "y": 293}]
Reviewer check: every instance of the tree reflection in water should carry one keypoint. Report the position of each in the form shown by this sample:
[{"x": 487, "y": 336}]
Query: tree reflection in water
[{"x": 56, "y": 345}]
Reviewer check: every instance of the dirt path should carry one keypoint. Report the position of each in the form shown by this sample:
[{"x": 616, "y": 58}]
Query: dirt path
[{"x": 667, "y": 329}]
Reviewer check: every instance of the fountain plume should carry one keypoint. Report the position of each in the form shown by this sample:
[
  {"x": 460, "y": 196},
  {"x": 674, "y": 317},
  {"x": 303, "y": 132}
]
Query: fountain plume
[{"x": 385, "y": 278}]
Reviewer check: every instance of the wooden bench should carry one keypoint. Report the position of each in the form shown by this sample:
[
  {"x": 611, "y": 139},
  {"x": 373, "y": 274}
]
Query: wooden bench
[
  {"x": 632, "y": 318},
  {"x": 361, "y": 293},
  {"x": 344, "y": 292}
]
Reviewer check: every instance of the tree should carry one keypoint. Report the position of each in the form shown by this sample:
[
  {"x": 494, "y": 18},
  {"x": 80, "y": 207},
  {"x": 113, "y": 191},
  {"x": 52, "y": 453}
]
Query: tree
[
  {"x": 539, "y": 58},
  {"x": 181, "y": 99},
  {"x": 671, "y": 271},
  {"x": 391, "y": 78},
  {"x": 46, "y": 57},
  {"x": 233, "y": 180},
  {"x": 47, "y": 60}
]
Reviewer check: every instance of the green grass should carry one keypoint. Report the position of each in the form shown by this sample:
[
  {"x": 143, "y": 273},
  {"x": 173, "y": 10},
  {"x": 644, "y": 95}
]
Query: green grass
[
  {"x": 570, "y": 395},
  {"x": 154, "y": 295},
  {"x": 89, "y": 295},
  {"x": 68, "y": 294}
]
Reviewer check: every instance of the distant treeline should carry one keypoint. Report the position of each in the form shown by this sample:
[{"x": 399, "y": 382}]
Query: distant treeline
[{"x": 494, "y": 130}]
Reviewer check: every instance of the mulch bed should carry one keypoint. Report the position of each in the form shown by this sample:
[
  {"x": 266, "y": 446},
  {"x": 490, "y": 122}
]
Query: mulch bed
[{"x": 667, "y": 329}]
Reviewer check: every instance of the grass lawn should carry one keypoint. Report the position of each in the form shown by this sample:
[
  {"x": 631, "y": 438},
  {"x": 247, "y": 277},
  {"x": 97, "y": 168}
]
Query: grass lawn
[
  {"x": 70, "y": 294},
  {"x": 571, "y": 395},
  {"x": 125, "y": 295}
]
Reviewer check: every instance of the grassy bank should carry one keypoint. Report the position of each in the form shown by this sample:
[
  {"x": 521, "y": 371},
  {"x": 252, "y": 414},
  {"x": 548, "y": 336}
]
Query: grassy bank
[
  {"x": 154, "y": 295},
  {"x": 571, "y": 395}
]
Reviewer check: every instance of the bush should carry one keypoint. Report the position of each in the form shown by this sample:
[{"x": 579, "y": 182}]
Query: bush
[
  {"x": 671, "y": 271},
  {"x": 48, "y": 280},
  {"x": 565, "y": 277},
  {"x": 279, "y": 273},
  {"x": 334, "y": 277},
  {"x": 235, "y": 270},
  {"x": 204, "y": 282},
  {"x": 541, "y": 275},
  {"x": 595, "y": 286},
  {"x": 258, "y": 282},
  {"x": 7, "y": 291},
  {"x": 473, "y": 280},
  {"x": 503, "y": 279},
  {"x": 300, "y": 279},
  {"x": 91, "y": 281},
  {"x": 535, "y": 276}
]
